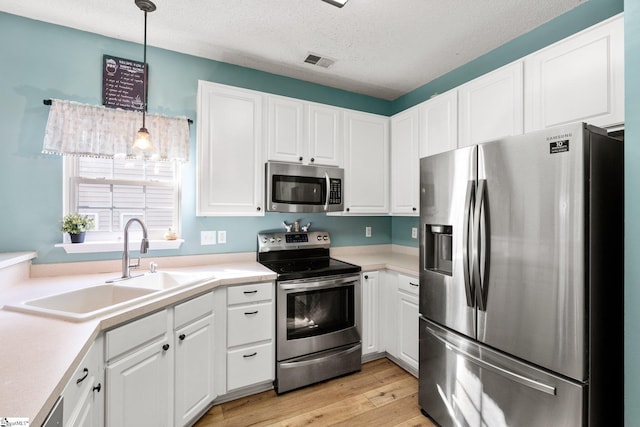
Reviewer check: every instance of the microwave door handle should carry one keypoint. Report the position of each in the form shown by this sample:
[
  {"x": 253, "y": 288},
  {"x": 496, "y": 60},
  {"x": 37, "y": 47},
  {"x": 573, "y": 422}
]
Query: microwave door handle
[{"x": 328, "y": 187}]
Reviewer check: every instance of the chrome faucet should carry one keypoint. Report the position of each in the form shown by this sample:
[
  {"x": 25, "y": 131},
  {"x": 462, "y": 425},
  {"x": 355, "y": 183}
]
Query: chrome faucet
[{"x": 144, "y": 247}]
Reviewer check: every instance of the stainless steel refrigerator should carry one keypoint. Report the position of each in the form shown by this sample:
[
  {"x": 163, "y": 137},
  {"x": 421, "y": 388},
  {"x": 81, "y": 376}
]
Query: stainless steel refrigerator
[{"x": 521, "y": 281}]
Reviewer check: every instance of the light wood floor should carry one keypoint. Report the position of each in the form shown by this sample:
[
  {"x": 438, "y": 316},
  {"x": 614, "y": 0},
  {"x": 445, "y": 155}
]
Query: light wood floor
[{"x": 382, "y": 394}]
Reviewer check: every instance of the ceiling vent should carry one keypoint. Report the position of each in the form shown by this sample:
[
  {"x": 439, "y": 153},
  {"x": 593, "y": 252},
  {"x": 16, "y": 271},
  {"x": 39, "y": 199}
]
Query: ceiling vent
[{"x": 319, "y": 60}]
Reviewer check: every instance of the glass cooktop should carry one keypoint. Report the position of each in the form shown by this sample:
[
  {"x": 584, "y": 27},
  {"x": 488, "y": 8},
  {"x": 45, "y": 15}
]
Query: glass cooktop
[{"x": 307, "y": 268}]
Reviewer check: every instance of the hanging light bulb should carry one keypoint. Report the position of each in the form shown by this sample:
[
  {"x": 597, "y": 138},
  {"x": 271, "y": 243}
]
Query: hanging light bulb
[{"x": 143, "y": 138}]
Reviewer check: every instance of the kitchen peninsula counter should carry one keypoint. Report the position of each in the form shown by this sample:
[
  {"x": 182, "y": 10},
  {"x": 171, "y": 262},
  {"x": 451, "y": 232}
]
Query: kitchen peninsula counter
[{"x": 41, "y": 353}]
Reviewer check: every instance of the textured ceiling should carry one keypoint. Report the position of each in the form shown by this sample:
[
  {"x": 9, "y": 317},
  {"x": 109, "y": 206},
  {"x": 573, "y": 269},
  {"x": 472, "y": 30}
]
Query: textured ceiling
[{"x": 381, "y": 48}]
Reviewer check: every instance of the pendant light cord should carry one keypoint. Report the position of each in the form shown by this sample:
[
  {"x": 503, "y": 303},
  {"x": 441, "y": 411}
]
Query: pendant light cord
[{"x": 144, "y": 75}]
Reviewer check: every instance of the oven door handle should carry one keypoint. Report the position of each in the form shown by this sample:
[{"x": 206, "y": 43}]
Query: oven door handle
[{"x": 332, "y": 283}]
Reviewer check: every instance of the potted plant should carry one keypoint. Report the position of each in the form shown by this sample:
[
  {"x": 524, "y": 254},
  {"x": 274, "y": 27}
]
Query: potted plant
[{"x": 76, "y": 225}]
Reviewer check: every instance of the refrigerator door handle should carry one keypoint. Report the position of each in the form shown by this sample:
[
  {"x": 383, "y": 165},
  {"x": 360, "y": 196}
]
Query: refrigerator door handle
[
  {"x": 481, "y": 246},
  {"x": 521, "y": 379},
  {"x": 467, "y": 239}
]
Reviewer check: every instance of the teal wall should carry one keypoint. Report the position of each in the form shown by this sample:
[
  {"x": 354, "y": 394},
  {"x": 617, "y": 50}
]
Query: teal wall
[
  {"x": 42, "y": 61},
  {"x": 632, "y": 212},
  {"x": 401, "y": 230}
]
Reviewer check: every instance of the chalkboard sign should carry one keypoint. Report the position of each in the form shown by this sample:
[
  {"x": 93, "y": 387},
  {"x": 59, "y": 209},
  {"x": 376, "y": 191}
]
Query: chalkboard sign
[{"x": 123, "y": 83}]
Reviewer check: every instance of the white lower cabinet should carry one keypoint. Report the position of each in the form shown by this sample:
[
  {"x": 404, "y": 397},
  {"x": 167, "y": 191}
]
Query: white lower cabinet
[
  {"x": 396, "y": 317},
  {"x": 139, "y": 373},
  {"x": 370, "y": 312},
  {"x": 250, "y": 335},
  {"x": 194, "y": 343},
  {"x": 84, "y": 394},
  {"x": 168, "y": 367},
  {"x": 160, "y": 368},
  {"x": 407, "y": 304}
]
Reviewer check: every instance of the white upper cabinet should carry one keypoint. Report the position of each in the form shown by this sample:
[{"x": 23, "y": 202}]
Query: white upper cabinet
[
  {"x": 366, "y": 163},
  {"x": 491, "y": 106},
  {"x": 439, "y": 124},
  {"x": 285, "y": 129},
  {"x": 405, "y": 162},
  {"x": 303, "y": 132},
  {"x": 325, "y": 135},
  {"x": 580, "y": 78},
  {"x": 230, "y": 169}
]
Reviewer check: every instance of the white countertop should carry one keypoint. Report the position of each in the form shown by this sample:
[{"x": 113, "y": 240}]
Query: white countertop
[
  {"x": 379, "y": 257},
  {"x": 40, "y": 353},
  {"x": 7, "y": 259}
]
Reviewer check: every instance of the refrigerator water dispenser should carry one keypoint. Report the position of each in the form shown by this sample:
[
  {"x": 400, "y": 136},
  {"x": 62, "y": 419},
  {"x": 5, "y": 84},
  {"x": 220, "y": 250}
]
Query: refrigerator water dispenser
[{"x": 438, "y": 248}]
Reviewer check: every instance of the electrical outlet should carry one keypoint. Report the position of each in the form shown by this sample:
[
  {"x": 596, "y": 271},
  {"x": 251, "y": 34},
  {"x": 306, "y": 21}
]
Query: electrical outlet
[
  {"x": 222, "y": 237},
  {"x": 367, "y": 231},
  {"x": 414, "y": 233},
  {"x": 207, "y": 238}
]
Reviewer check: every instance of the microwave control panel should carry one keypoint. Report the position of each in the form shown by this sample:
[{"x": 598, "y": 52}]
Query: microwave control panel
[{"x": 335, "y": 191}]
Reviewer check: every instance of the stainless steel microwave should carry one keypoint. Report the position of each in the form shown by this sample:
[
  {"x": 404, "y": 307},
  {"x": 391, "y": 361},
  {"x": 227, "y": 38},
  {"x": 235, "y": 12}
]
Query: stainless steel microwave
[{"x": 299, "y": 188}]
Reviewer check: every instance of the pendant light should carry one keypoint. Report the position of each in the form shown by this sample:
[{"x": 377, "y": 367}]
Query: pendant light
[{"x": 143, "y": 138}]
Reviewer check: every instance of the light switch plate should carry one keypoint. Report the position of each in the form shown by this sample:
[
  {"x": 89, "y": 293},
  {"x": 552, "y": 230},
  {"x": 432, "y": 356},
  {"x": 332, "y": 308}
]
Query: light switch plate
[
  {"x": 367, "y": 231},
  {"x": 207, "y": 238},
  {"x": 222, "y": 237},
  {"x": 414, "y": 232}
]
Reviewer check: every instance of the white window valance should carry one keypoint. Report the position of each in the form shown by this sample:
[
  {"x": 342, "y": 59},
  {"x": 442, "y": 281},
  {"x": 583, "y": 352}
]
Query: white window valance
[{"x": 76, "y": 129}]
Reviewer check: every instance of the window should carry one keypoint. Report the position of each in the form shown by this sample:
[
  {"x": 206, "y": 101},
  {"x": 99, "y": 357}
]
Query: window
[{"x": 116, "y": 190}]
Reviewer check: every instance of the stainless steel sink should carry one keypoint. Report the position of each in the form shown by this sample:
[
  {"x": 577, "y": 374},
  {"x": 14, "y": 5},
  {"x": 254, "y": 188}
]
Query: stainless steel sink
[{"x": 93, "y": 301}]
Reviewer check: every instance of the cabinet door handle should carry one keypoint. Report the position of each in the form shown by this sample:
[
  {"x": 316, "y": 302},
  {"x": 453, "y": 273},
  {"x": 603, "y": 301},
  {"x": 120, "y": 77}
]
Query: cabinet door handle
[
  {"x": 313, "y": 160},
  {"x": 182, "y": 337},
  {"x": 255, "y": 291},
  {"x": 300, "y": 158},
  {"x": 414, "y": 284},
  {"x": 250, "y": 313},
  {"x": 414, "y": 209},
  {"x": 366, "y": 277},
  {"x": 86, "y": 374},
  {"x": 250, "y": 355},
  {"x": 258, "y": 208},
  {"x": 97, "y": 388},
  {"x": 165, "y": 347}
]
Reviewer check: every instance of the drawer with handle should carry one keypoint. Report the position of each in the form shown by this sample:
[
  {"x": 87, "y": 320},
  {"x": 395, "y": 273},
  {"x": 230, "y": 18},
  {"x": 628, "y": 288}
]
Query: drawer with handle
[
  {"x": 245, "y": 294},
  {"x": 250, "y": 365},
  {"x": 250, "y": 323},
  {"x": 409, "y": 284}
]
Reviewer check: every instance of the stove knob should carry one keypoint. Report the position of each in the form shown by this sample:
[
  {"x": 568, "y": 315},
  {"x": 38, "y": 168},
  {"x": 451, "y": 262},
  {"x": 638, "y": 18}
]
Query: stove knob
[
  {"x": 272, "y": 240},
  {"x": 279, "y": 239},
  {"x": 319, "y": 237},
  {"x": 264, "y": 240},
  {"x": 326, "y": 237}
]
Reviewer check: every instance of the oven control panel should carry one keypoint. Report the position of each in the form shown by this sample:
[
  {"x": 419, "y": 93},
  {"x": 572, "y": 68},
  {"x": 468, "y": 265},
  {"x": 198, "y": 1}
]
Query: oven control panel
[{"x": 282, "y": 241}]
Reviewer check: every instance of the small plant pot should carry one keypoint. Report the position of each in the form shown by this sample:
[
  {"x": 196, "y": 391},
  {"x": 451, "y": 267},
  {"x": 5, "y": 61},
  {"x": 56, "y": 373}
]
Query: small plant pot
[{"x": 77, "y": 238}]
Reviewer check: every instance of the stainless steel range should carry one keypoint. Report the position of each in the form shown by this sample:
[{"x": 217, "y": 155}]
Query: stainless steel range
[{"x": 317, "y": 308}]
